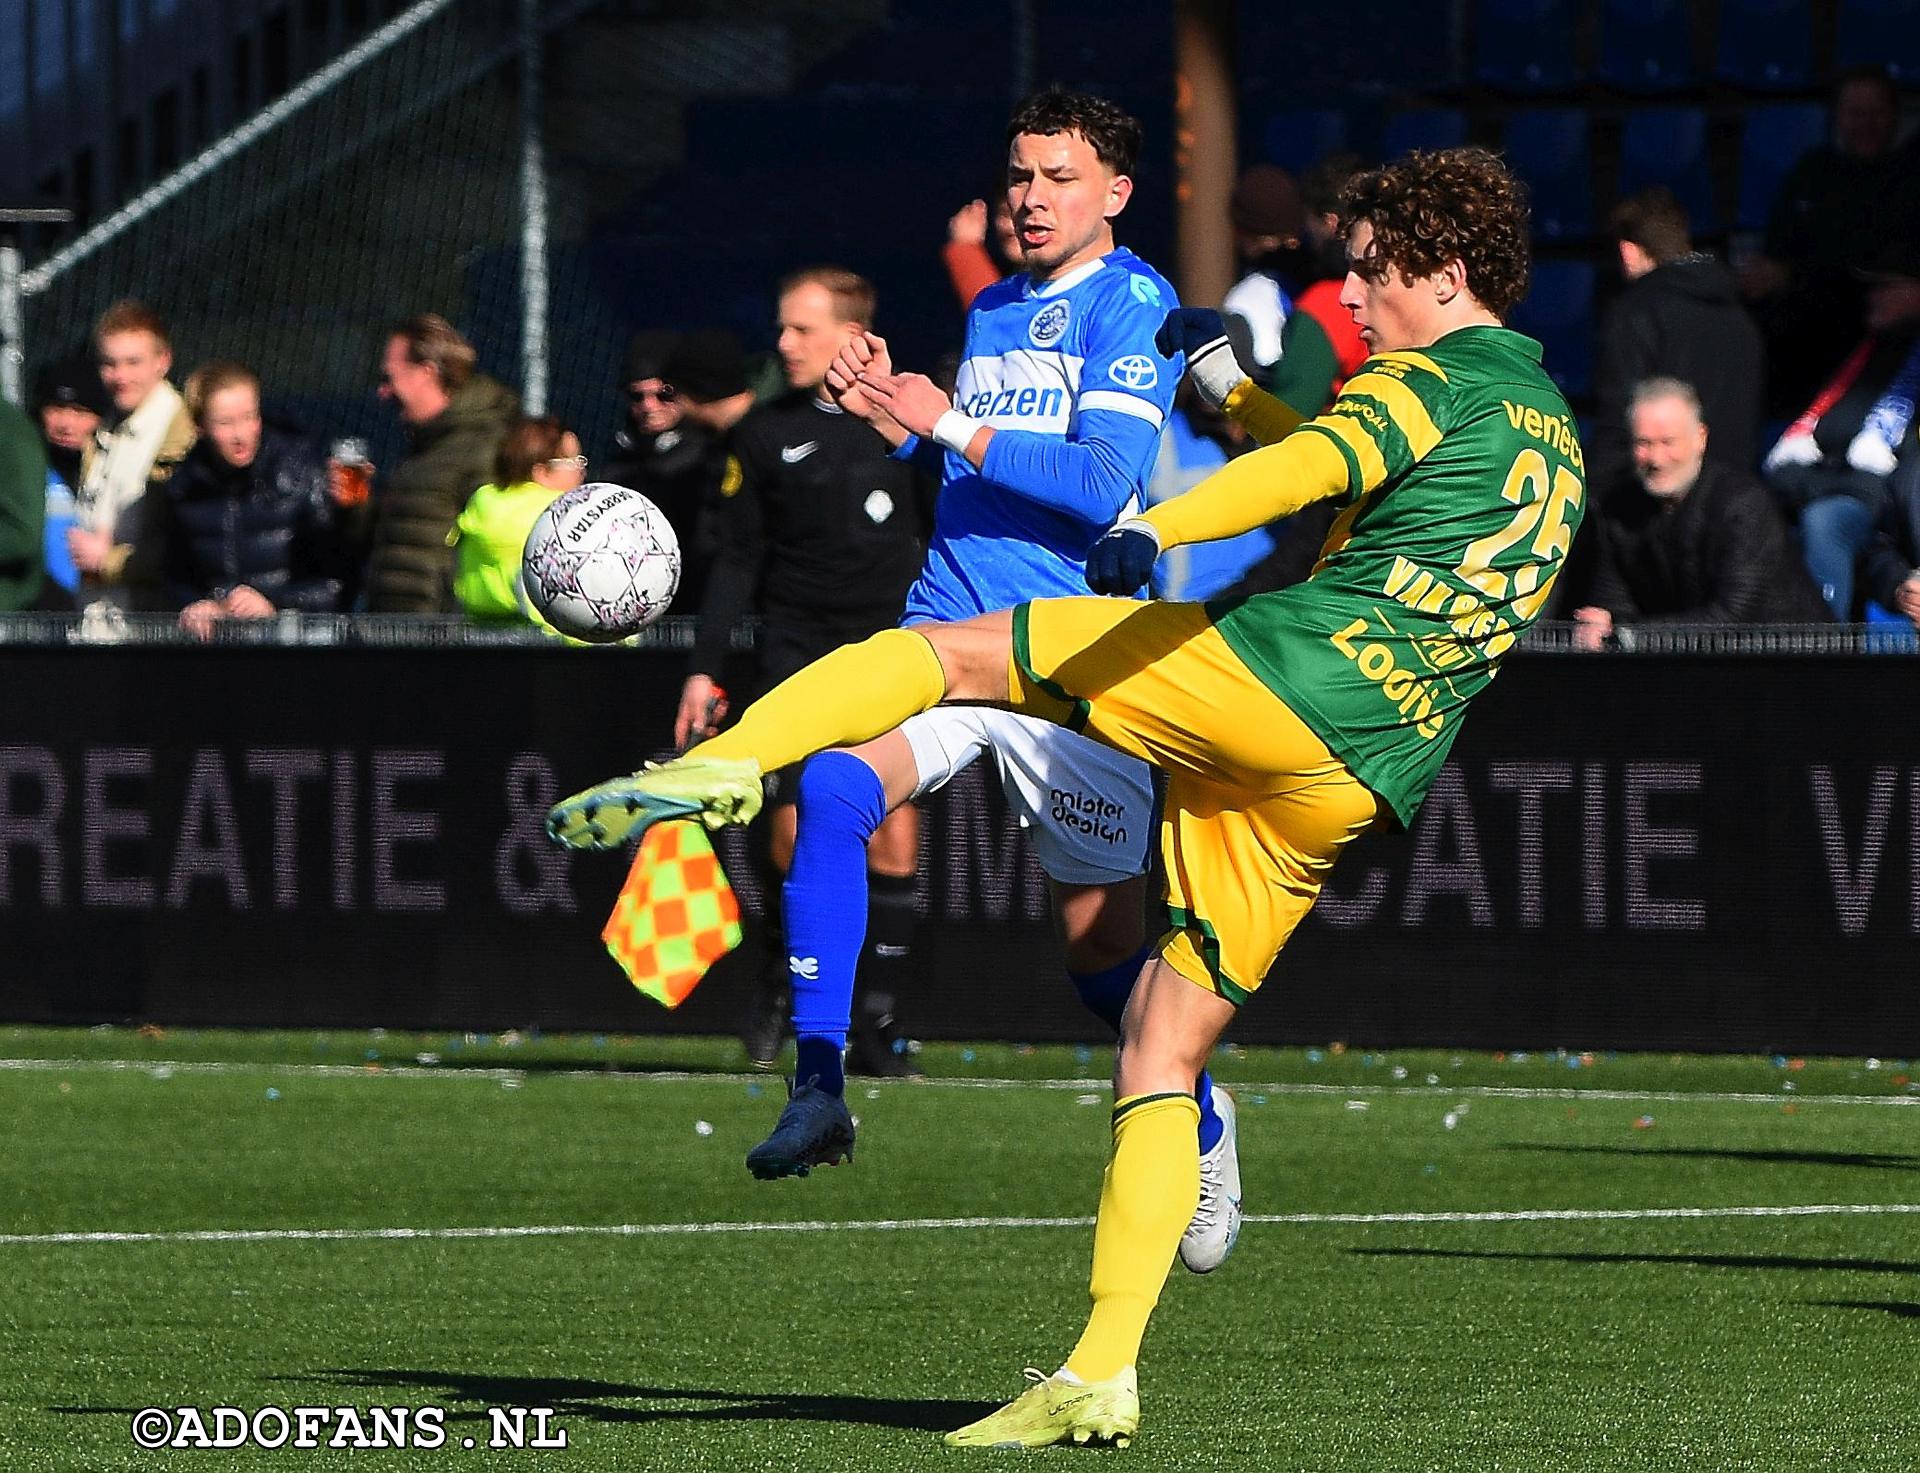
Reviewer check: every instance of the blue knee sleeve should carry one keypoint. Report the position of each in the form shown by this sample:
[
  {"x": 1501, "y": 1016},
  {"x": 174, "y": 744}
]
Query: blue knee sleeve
[
  {"x": 840, "y": 802},
  {"x": 1106, "y": 992}
]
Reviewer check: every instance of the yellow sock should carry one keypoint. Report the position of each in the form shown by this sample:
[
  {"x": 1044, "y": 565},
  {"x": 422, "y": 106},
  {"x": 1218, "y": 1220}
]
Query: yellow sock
[
  {"x": 852, "y": 695},
  {"x": 1146, "y": 1202}
]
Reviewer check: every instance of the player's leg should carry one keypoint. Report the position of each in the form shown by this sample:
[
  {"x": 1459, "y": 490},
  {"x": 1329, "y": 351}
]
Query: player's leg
[
  {"x": 1104, "y": 931},
  {"x": 857, "y": 693},
  {"x": 885, "y": 971},
  {"x": 842, "y": 798},
  {"x": 1090, "y": 812},
  {"x": 1245, "y": 861}
]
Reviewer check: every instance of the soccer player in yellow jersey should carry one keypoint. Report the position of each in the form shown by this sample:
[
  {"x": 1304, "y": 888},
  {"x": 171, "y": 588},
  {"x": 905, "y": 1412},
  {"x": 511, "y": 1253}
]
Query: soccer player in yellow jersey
[{"x": 1288, "y": 723}]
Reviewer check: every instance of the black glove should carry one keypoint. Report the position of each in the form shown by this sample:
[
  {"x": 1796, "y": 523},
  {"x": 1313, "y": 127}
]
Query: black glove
[
  {"x": 1188, "y": 330},
  {"x": 1201, "y": 333},
  {"x": 1122, "y": 561}
]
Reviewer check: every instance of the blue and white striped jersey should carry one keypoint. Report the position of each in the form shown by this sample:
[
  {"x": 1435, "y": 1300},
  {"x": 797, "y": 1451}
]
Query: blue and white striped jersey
[{"x": 1067, "y": 374}]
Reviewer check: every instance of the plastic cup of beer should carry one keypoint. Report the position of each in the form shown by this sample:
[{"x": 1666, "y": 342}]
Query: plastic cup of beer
[{"x": 353, "y": 472}]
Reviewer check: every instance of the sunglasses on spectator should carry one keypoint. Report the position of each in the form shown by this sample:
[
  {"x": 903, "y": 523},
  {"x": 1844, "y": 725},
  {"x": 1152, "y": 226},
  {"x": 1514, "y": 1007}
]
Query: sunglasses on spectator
[
  {"x": 561, "y": 462},
  {"x": 666, "y": 394}
]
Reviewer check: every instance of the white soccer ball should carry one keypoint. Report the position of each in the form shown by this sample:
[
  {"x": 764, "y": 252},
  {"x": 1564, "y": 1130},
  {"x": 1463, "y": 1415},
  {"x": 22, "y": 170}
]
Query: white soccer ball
[{"x": 601, "y": 564}]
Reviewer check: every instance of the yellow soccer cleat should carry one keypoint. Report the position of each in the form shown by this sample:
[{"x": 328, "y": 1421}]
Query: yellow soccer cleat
[
  {"x": 1055, "y": 1409},
  {"x": 714, "y": 790}
]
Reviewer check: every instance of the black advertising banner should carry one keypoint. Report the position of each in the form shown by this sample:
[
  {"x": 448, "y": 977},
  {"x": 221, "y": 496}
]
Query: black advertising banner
[{"x": 1649, "y": 852}]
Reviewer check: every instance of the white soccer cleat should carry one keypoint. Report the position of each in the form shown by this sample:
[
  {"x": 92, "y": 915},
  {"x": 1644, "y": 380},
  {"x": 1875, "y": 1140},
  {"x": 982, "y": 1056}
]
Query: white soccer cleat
[{"x": 1215, "y": 1228}]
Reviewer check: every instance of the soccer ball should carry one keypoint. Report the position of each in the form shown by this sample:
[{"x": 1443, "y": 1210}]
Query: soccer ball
[{"x": 601, "y": 564}]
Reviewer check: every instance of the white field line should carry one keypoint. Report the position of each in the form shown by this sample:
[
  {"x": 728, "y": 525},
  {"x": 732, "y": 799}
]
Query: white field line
[
  {"x": 381, "y": 1069},
  {"x": 939, "y": 1224}
]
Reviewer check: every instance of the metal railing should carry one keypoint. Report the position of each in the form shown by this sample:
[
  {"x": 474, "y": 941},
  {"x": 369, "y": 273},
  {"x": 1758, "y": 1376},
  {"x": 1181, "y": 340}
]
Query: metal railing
[{"x": 426, "y": 631}]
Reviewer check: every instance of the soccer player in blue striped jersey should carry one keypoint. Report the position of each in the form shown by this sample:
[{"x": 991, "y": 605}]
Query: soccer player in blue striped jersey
[{"x": 1047, "y": 441}]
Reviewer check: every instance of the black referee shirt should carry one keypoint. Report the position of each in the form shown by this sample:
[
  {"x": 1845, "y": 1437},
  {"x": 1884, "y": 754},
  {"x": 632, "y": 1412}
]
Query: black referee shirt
[{"x": 819, "y": 530}]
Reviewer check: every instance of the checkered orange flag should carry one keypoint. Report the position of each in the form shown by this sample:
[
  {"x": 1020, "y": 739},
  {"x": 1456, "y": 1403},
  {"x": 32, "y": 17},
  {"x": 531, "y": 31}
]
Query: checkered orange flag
[{"x": 676, "y": 915}]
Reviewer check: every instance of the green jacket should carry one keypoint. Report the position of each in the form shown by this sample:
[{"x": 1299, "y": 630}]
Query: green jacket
[
  {"x": 23, "y": 510},
  {"x": 411, "y": 570},
  {"x": 488, "y": 540}
]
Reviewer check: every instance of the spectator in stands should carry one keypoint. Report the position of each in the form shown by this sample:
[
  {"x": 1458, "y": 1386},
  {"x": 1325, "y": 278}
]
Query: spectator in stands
[
  {"x": 1835, "y": 463},
  {"x": 456, "y": 419},
  {"x": 1320, "y": 347},
  {"x": 1892, "y": 571},
  {"x": 539, "y": 460},
  {"x": 23, "y": 511},
  {"x": 115, "y": 539},
  {"x": 1701, "y": 543},
  {"x": 250, "y": 523},
  {"x": 1679, "y": 317},
  {"x": 70, "y": 401},
  {"x": 1841, "y": 204},
  {"x": 821, "y": 533},
  {"x": 975, "y": 255},
  {"x": 1268, "y": 223},
  {"x": 710, "y": 378},
  {"x": 653, "y": 439},
  {"x": 669, "y": 458}
]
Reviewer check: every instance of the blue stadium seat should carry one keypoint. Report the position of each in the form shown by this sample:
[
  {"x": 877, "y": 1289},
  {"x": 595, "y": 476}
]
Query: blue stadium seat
[
  {"x": 1646, "y": 45},
  {"x": 1548, "y": 147},
  {"x": 1430, "y": 128},
  {"x": 1880, "y": 33},
  {"x": 1668, "y": 145},
  {"x": 1764, "y": 45},
  {"x": 1559, "y": 312},
  {"x": 1774, "y": 139},
  {"x": 1300, "y": 137},
  {"x": 1525, "y": 45}
]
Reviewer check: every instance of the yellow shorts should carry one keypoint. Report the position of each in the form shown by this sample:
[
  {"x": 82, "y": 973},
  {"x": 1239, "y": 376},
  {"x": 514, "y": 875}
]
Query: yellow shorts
[{"x": 1257, "y": 808}]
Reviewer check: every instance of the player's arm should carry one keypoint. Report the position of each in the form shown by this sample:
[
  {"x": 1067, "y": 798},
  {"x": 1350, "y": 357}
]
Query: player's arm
[
  {"x": 1385, "y": 420},
  {"x": 1200, "y": 334}
]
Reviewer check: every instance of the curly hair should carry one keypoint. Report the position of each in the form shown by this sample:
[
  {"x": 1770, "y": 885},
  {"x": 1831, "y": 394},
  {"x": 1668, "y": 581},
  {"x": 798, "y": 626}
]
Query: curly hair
[
  {"x": 1458, "y": 204},
  {"x": 1111, "y": 132}
]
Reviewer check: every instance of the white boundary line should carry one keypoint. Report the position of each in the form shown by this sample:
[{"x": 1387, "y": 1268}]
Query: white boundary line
[
  {"x": 381, "y": 1069},
  {"x": 938, "y": 1224}
]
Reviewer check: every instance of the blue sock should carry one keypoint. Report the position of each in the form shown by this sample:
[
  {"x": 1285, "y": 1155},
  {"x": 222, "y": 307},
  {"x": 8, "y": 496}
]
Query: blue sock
[
  {"x": 840, "y": 802},
  {"x": 1105, "y": 993}
]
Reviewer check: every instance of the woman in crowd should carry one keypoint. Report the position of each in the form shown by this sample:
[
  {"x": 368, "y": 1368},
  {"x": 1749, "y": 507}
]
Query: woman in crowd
[
  {"x": 539, "y": 460},
  {"x": 251, "y": 526}
]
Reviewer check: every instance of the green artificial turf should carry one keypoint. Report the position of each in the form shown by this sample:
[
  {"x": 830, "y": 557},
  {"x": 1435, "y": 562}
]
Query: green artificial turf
[{"x": 1620, "y": 1343}]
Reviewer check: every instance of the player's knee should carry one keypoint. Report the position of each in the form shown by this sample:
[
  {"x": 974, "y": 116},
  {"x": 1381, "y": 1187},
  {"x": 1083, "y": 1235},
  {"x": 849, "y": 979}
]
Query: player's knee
[
  {"x": 838, "y": 792},
  {"x": 975, "y": 655}
]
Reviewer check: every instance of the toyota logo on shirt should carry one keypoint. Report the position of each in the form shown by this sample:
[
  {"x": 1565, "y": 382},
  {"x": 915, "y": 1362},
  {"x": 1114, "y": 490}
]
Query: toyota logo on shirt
[{"x": 1136, "y": 371}]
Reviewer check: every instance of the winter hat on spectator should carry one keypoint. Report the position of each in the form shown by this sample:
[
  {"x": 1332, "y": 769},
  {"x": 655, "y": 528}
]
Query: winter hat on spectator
[
  {"x": 1266, "y": 201},
  {"x": 707, "y": 366},
  {"x": 73, "y": 381},
  {"x": 647, "y": 355}
]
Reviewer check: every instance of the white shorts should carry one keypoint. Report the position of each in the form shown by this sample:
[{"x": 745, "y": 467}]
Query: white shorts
[{"x": 1089, "y": 809}]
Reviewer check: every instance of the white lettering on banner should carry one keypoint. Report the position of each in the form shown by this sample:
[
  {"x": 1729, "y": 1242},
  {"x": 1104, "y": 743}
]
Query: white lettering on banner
[
  {"x": 394, "y": 826},
  {"x": 285, "y": 768},
  {"x": 1447, "y": 809},
  {"x": 36, "y": 829},
  {"x": 346, "y": 788},
  {"x": 1447, "y": 859},
  {"x": 209, "y": 845},
  {"x": 531, "y": 790},
  {"x": 1642, "y": 841},
  {"x": 101, "y": 825},
  {"x": 1854, "y": 882},
  {"x": 1530, "y": 782}
]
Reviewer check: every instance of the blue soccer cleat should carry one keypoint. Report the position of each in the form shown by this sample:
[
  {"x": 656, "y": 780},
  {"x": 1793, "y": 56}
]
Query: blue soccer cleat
[{"x": 815, "y": 1129}]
